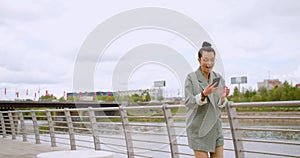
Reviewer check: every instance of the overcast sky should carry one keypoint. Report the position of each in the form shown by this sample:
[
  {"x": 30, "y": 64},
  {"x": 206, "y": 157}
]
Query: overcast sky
[{"x": 40, "y": 41}]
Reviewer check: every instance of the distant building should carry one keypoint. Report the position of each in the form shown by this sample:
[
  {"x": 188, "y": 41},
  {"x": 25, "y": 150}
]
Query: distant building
[
  {"x": 152, "y": 92},
  {"x": 129, "y": 92},
  {"x": 89, "y": 96},
  {"x": 268, "y": 84},
  {"x": 99, "y": 93},
  {"x": 297, "y": 85}
]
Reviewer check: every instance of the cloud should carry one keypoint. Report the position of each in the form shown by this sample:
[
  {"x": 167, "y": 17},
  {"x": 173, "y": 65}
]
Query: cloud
[
  {"x": 296, "y": 73},
  {"x": 259, "y": 37},
  {"x": 40, "y": 40},
  {"x": 27, "y": 11},
  {"x": 260, "y": 29}
]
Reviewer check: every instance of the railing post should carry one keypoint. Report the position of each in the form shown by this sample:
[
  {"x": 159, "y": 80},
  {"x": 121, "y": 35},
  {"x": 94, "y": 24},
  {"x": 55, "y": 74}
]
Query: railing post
[
  {"x": 3, "y": 125},
  {"x": 70, "y": 129},
  {"x": 171, "y": 131},
  {"x": 128, "y": 138},
  {"x": 12, "y": 125},
  {"x": 94, "y": 129},
  {"x": 236, "y": 135},
  {"x": 51, "y": 128},
  {"x": 23, "y": 127},
  {"x": 35, "y": 128}
]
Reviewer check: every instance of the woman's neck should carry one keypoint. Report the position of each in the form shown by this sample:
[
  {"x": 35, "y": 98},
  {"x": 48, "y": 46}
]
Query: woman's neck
[{"x": 205, "y": 74}]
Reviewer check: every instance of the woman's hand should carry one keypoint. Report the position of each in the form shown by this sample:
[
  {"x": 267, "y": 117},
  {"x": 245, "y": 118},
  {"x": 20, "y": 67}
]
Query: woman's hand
[
  {"x": 225, "y": 92},
  {"x": 210, "y": 89}
]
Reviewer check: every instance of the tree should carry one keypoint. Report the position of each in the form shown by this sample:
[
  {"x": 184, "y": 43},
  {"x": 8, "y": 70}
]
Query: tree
[
  {"x": 255, "y": 98},
  {"x": 286, "y": 90},
  {"x": 48, "y": 97},
  {"x": 263, "y": 93},
  {"x": 62, "y": 99},
  {"x": 247, "y": 94},
  {"x": 135, "y": 97},
  {"x": 296, "y": 94},
  {"x": 102, "y": 98},
  {"x": 236, "y": 94},
  {"x": 160, "y": 98},
  {"x": 148, "y": 97},
  {"x": 111, "y": 98},
  {"x": 71, "y": 98},
  {"x": 279, "y": 93}
]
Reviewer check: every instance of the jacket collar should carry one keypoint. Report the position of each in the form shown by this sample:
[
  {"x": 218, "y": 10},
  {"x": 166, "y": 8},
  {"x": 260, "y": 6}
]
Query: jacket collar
[
  {"x": 203, "y": 83},
  {"x": 201, "y": 78}
]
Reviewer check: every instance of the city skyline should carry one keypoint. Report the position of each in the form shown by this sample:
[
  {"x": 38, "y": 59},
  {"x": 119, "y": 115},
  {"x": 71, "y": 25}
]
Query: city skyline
[{"x": 34, "y": 94}]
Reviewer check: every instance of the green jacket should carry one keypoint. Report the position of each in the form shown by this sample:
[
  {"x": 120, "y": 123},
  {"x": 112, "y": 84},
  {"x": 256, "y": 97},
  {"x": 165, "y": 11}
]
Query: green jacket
[{"x": 195, "y": 83}]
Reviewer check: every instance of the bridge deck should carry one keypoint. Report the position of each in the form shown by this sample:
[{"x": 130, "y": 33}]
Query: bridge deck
[{"x": 16, "y": 149}]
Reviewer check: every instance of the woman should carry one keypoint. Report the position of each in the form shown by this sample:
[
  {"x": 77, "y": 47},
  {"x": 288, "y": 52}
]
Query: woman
[{"x": 204, "y": 101}]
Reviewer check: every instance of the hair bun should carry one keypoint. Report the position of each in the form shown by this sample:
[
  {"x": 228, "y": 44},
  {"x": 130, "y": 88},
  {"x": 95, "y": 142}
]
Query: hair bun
[{"x": 206, "y": 44}]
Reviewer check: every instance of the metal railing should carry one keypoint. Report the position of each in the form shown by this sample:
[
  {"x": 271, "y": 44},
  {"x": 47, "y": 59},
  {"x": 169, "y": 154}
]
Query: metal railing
[
  {"x": 151, "y": 131},
  {"x": 284, "y": 120}
]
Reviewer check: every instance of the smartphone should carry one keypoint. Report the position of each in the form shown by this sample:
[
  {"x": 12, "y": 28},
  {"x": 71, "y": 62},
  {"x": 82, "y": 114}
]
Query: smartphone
[{"x": 216, "y": 80}]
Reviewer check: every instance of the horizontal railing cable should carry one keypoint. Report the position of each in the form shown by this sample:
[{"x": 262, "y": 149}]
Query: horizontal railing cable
[{"x": 270, "y": 153}]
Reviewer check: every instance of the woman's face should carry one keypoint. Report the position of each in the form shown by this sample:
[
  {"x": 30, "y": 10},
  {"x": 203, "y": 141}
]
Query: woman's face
[{"x": 207, "y": 61}]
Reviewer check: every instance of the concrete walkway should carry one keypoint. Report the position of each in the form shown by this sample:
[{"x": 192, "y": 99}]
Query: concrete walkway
[{"x": 17, "y": 149}]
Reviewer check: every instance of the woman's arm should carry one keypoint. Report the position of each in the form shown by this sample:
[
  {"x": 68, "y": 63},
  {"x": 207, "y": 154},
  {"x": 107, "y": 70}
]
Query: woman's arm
[{"x": 190, "y": 98}]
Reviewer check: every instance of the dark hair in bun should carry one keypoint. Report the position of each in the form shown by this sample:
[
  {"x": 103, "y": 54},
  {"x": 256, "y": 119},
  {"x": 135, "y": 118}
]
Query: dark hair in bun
[
  {"x": 206, "y": 44},
  {"x": 205, "y": 47}
]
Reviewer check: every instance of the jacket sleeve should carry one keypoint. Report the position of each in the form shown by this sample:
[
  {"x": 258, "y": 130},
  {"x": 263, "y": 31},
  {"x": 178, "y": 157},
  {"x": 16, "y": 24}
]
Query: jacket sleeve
[
  {"x": 222, "y": 105},
  {"x": 190, "y": 98}
]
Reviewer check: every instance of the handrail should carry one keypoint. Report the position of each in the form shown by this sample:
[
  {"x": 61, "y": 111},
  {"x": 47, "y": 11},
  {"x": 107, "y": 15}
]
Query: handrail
[
  {"x": 262, "y": 104},
  {"x": 163, "y": 132}
]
